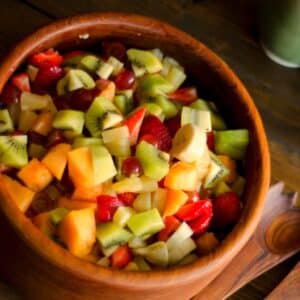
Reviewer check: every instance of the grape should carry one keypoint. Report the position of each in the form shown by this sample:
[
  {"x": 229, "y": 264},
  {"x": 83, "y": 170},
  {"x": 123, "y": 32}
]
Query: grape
[
  {"x": 125, "y": 80},
  {"x": 131, "y": 166}
]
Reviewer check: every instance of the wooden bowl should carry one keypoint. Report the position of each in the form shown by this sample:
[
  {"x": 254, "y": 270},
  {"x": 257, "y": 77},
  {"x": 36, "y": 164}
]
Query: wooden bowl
[{"x": 41, "y": 269}]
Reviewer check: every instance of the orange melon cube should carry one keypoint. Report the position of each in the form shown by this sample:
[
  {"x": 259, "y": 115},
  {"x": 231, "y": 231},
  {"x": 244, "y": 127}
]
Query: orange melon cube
[
  {"x": 87, "y": 194},
  {"x": 35, "y": 175},
  {"x": 80, "y": 166},
  {"x": 78, "y": 231},
  {"x": 174, "y": 200},
  {"x": 73, "y": 204},
  {"x": 183, "y": 176},
  {"x": 230, "y": 164},
  {"x": 20, "y": 194},
  {"x": 109, "y": 91},
  {"x": 56, "y": 159},
  {"x": 43, "y": 222}
]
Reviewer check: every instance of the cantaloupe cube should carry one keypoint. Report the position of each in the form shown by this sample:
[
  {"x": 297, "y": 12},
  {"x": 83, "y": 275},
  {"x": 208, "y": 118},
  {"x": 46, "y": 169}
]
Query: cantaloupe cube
[
  {"x": 73, "y": 204},
  {"x": 109, "y": 91},
  {"x": 88, "y": 194},
  {"x": 78, "y": 231},
  {"x": 43, "y": 222},
  {"x": 183, "y": 176},
  {"x": 56, "y": 159},
  {"x": 174, "y": 200},
  {"x": 80, "y": 166},
  {"x": 35, "y": 175},
  {"x": 20, "y": 194},
  {"x": 230, "y": 164}
]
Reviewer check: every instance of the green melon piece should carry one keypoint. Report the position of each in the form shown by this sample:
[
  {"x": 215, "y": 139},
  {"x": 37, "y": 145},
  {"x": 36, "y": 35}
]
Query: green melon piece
[
  {"x": 90, "y": 63},
  {"x": 169, "y": 108}
]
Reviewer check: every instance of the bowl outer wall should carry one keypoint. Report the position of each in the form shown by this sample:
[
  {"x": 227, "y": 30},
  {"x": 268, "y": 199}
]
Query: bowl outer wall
[{"x": 142, "y": 31}]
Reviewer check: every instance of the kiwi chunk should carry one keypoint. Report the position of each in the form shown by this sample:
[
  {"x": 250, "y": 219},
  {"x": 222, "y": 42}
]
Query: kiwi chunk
[
  {"x": 143, "y": 61},
  {"x": 169, "y": 108},
  {"x": 6, "y": 123},
  {"x": 89, "y": 63},
  {"x": 95, "y": 114},
  {"x": 13, "y": 151},
  {"x": 82, "y": 141},
  {"x": 71, "y": 120}
]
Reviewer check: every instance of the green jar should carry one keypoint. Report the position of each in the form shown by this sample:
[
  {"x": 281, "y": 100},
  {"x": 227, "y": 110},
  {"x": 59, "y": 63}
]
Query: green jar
[{"x": 280, "y": 31}]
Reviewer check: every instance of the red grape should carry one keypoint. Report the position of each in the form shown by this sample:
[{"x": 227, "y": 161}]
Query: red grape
[
  {"x": 36, "y": 138},
  {"x": 116, "y": 49},
  {"x": 55, "y": 137},
  {"x": 125, "y": 80},
  {"x": 10, "y": 94},
  {"x": 82, "y": 98},
  {"x": 131, "y": 166}
]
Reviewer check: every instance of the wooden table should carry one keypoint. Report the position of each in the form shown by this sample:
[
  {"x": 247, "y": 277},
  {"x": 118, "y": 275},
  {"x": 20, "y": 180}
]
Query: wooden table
[{"x": 228, "y": 28}]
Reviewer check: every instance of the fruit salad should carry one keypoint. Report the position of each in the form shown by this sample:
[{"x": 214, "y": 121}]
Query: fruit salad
[{"x": 114, "y": 156}]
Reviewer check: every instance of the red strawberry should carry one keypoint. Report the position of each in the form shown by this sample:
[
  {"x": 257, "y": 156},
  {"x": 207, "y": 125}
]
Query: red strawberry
[
  {"x": 201, "y": 224},
  {"x": 121, "y": 257},
  {"x": 226, "y": 208},
  {"x": 21, "y": 81},
  {"x": 210, "y": 140},
  {"x": 184, "y": 95},
  {"x": 106, "y": 207},
  {"x": 151, "y": 139},
  {"x": 47, "y": 59},
  {"x": 48, "y": 76},
  {"x": 171, "y": 224},
  {"x": 153, "y": 126},
  {"x": 173, "y": 124},
  {"x": 194, "y": 210},
  {"x": 127, "y": 198}
]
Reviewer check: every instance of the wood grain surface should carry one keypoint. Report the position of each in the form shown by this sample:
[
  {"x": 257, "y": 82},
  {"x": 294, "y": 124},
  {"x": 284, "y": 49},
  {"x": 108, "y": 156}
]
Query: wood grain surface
[{"x": 228, "y": 28}]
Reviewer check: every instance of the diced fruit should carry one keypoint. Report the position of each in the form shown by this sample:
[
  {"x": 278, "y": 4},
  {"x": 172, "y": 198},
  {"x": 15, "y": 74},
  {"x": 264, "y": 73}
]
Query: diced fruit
[
  {"x": 130, "y": 184},
  {"x": 154, "y": 109},
  {"x": 71, "y": 120},
  {"x": 123, "y": 104},
  {"x": 89, "y": 63},
  {"x": 174, "y": 200},
  {"x": 117, "y": 65},
  {"x": 106, "y": 207},
  {"x": 48, "y": 58},
  {"x": 182, "y": 233},
  {"x": 171, "y": 225},
  {"x": 142, "y": 264},
  {"x": 230, "y": 164},
  {"x": 206, "y": 243},
  {"x": 110, "y": 234},
  {"x": 201, "y": 118},
  {"x": 48, "y": 77},
  {"x": 143, "y": 62},
  {"x": 132, "y": 266},
  {"x": 43, "y": 123},
  {"x": 21, "y": 81},
  {"x": 109, "y": 91},
  {"x": 175, "y": 77},
  {"x": 202, "y": 223},
  {"x": 56, "y": 160},
  {"x": 146, "y": 223},
  {"x": 127, "y": 198},
  {"x": 26, "y": 120},
  {"x": 184, "y": 95},
  {"x": 131, "y": 166},
  {"x": 134, "y": 123},
  {"x": 58, "y": 214},
  {"x": 112, "y": 48},
  {"x": 210, "y": 140},
  {"x": 221, "y": 188},
  {"x": 37, "y": 151},
  {"x": 189, "y": 143},
  {"x": 184, "y": 248},
  {"x": 168, "y": 63},
  {"x": 32, "y": 72},
  {"x": 156, "y": 253},
  {"x": 125, "y": 80},
  {"x": 117, "y": 141},
  {"x": 30, "y": 101},
  {"x": 6, "y": 123},
  {"x": 73, "y": 58},
  {"x": 150, "y": 139},
  {"x": 159, "y": 197},
  {"x": 142, "y": 202},
  {"x": 78, "y": 231},
  {"x": 122, "y": 215},
  {"x": 183, "y": 176},
  {"x": 173, "y": 125},
  {"x": 154, "y": 166},
  {"x": 87, "y": 194},
  {"x": 55, "y": 137},
  {"x": 21, "y": 195},
  {"x": 35, "y": 175},
  {"x": 73, "y": 204},
  {"x": 226, "y": 209},
  {"x": 169, "y": 108},
  {"x": 191, "y": 211},
  {"x": 232, "y": 143},
  {"x": 238, "y": 185},
  {"x": 105, "y": 70},
  {"x": 82, "y": 141},
  {"x": 121, "y": 257},
  {"x": 43, "y": 222},
  {"x": 137, "y": 242},
  {"x": 80, "y": 167}
]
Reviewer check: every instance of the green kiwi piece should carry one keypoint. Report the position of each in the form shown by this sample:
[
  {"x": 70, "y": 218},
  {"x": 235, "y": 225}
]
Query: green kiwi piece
[
  {"x": 89, "y": 63},
  {"x": 96, "y": 112},
  {"x": 168, "y": 107},
  {"x": 6, "y": 123},
  {"x": 143, "y": 61},
  {"x": 82, "y": 141},
  {"x": 13, "y": 151},
  {"x": 154, "y": 109}
]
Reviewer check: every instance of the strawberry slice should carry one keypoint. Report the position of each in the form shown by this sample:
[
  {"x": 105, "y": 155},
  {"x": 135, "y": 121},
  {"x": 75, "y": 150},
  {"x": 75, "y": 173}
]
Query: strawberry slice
[
  {"x": 171, "y": 224},
  {"x": 210, "y": 140},
  {"x": 201, "y": 224},
  {"x": 153, "y": 126},
  {"x": 121, "y": 257},
  {"x": 227, "y": 209},
  {"x": 21, "y": 81},
  {"x": 106, "y": 207},
  {"x": 127, "y": 198},
  {"x": 48, "y": 76},
  {"x": 194, "y": 210},
  {"x": 134, "y": 123},
  {"x": 184, "y": 95},
  {"x": 46, "y": 59}
]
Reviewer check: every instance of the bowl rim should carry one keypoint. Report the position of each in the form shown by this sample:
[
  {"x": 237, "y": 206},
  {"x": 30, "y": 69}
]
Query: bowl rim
[{"x": 60, "y": 257}]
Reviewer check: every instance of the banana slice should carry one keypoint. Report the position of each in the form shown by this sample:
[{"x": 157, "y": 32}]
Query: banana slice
[
  {"x": 203, "y": 163},
  {"x": 189, "y": 143}
]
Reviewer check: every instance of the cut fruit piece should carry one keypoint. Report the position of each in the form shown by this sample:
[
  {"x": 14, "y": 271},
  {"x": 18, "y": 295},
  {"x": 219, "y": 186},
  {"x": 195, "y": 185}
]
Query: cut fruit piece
[
  {"x": 110, "y": 234},
  {"x": 158, "y": 53},
  {"x": 80, "y": 167},
  {"x": 74, "y": 80},
  {"x": 230, "y": 164},
  {"x": 143, "y": 62},
  {"x": 78, "y": 231},
  {"x": 13, "y": 150},
  {"x": 117, "y": 65},
  {"x": 148, "y": 184},
  {"x": 142, "y": 202},
  {"x": 189, "y": 143},
  {"x": 123, "y": 104},
  {"x": 216, "y": 172},
  {"x": 141, "y": 263},
  {"x": 117, "y": 141},
  {"x": 206, "y": 243},
  {"x": 135, "y": 185},
  {"x": 201, "y": 118},
  {"x": 239, "y": 185},
  {"x": 35, "y": 175},
  {"x": 137, "y": 242},
  {"x": 154, "y": 109},
  {"x": 27, "y": 119},
  {"x": 36, "y": 151},
  {"x": 72, "y": 59},
  {"x": 30, "y": 101},
  {"x": 122, "y": 215},
  {"x": 43, "y": 222},
  {"x": 146, "y": 223},
  {"x": 121, "y": 257},
  {"x": 182, "y": 233},
  {"x": 221, "y": 188},
  {"x": 110, "y": 119},
  {"x": 185, "y": 95},
  {"x": 154, "y": 166},
  {"x": 21, "y": 195},
  {"x": 174, "y": 200},
  {"x": 156, "y": 253},
  {"x": 203, "y": 163},
  {"x": 43, "y": 123},
  {"x": 184, "y": 248},
  {"x": 105, "y": 70},
  {"x": 171, "y": 225},
  {"x": 56, "y": 160},
  {"x": 87, "y": 194},
  {"x": 183, "y": 176},
  {"x": 93, "y": 117},
  {"x": 103, "y": 165},
  {"x": 82, "y": 141},
  {"x": 168, "y": 63},
  {"x": 58, "y": 214},
  {"x": 169, "y": 108},
  {"x": 109, "y": 250},
  {"x": 175, "y": 77},
  {"x": 73, "y": 204},
  {"x": 232, "y": 143},
  {"x": 89, "y": 63},
  {"x": 6, "y": 123},
  {"x": 109, "y": 91},
  {"x": 159, "y": 197},
  {"x": 32, "y": 72},
  {"x": 71, "y": 120}
]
